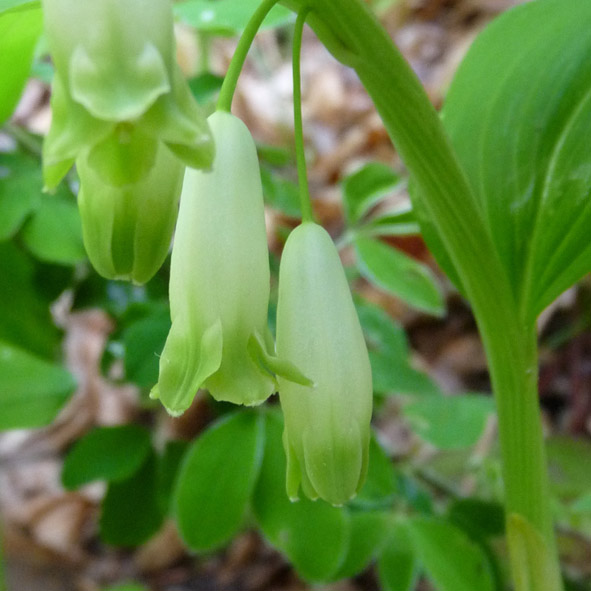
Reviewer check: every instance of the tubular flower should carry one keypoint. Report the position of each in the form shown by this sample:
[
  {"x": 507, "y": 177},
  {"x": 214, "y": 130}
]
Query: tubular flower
[
  {"x": 326, "y": 435},
  {"x": 127, "y": 230},
  {"x": 219, "y": 284},
  {"x": 118, "y": 91}
]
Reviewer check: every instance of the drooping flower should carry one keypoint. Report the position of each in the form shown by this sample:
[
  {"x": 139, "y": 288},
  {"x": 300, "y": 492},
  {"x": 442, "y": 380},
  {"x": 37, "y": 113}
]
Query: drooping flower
[
  {"x": 127, "y": 230},
  {"x": 219, "y": 283},
  {"x": 326, "y": 435},
  {"x": 118, "y": 91}
]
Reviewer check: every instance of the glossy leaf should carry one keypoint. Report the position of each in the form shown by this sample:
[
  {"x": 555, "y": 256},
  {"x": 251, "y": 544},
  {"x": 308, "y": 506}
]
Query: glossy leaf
[
  {"x": 397, "y": 565},
  {"x": 452, "y": 561},
  {"x": 131, "y": 512},
  {"x": 216, "y": 481},
  {"x": 517, "y": 113},
  {"x": 106, "y": 453},
  {"x": 365, "y": 187},
  {"x": 54, "y": 233},
  {"x": 449, "y": 422},
  {"x": 399, "y": 275},
  {"x": 20, "y": 191},
  {"x": 313, "y": 535},
  {"x": 19, "y": 32},
  {"x": 32, "y": 391},
  {"x": 24, "y": 314},
  {"x": 226, "y": 17}
]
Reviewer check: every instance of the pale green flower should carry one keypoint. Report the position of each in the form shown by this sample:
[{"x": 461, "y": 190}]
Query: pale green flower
[
  {"x": 326, "y": 435},
  {"x": 118, "y": 91},
  {"x": 127, "y": 230},
  {"x": 219, "y": 283}
]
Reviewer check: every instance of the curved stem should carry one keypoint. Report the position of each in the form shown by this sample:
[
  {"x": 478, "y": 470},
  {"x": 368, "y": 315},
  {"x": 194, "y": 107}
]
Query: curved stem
[
  {"x": 305, "y": 202},
  {"x": 231, "y": 79}
]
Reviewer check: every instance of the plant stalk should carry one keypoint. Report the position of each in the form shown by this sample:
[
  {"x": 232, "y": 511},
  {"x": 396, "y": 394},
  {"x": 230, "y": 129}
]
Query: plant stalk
[{"x": 442, "y": 191}]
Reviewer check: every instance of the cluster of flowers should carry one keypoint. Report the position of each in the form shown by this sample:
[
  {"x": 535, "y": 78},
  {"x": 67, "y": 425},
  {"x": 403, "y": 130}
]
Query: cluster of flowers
[{"x": 122, "y": 111}]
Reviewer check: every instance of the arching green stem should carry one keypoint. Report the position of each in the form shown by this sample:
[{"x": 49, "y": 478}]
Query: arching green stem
[
  {"x": 444, "y": 195},
  {"x": 305, "y": 201},
  {"x": 237, "y": 63}
]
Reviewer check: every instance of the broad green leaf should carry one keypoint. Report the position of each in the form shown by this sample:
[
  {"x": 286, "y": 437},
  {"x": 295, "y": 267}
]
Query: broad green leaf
[
  {"x": 205, "y": 86},
  {"x": 131, "y": 512},
  {"x": 369, "y": 530},
  {"x": 395, "y": 375},
  {"x": 19, "y": 31},
  {"x": 9, "y": 5},
  {"x": 532, "y": 565},
  {"x": 281, "y": 193},
  {"x": 517, "y": 113},
  {"x": 481, "y": 519},
  {"x": 399, "y": 222},
  {"x": 399, "y": 275},
  {"x": 143, "y": 341},
  {"x": 365, "y": 187},
  {"x": 449, "y": 422},
  {"x": 226, "y": 17},
  {"x": 20, "y": 190},
  {"x": 32, "y": 391},
  {"x": 24, "y": 315},
  {"x": 381, "y": 331},
  {"x": 313, "y": 534},
  {"x": 216, "y": 481},
  {"x": 565, "y": 458},
  {"x": 54, "y": 233},
  {"x": 106, "y": 453},
  {"x": 397, "y": 564},
  {"x": 452, "y": 561}
]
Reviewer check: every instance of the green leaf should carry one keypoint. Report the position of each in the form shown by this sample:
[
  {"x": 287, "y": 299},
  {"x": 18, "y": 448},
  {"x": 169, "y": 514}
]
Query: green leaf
[
  {"x": 32, "y": 391},
  {"x": 226, "y": 17},
  {"x": 452, "y": 561},
  {"x": 399, "y": 275},
  {"x": 143, "y": 341},
  {"x": 517, "y": 114},
  {"x": 131, "y": 512},
  {"x": 20, "y": 190},
  {"x": 24, "y": 315},
  {"x": 19, "y": 32},
  {"x": 313, "y": 534},
  {"x": 449, "y": 422},
  {"x": 9, "y": 5},
  {"x": 481, "y": 519},
  {"x": 381, "y": 331},
  {"x": 369, "y": 530},
  {"x": 399, "y": 222},
  {"x": 365, "y": 187},
  {"x": 54, "y": 233},
  {"x": 106, "y": 453},
  {"x": 565, "y": 458},
  {"x": 169, "y": 464},
  {"x": 281, "y": 193},
  {"x": 397, "y": 564},
  {"x": 216, "y": 481},
  {"x": 205, "y": 86}
]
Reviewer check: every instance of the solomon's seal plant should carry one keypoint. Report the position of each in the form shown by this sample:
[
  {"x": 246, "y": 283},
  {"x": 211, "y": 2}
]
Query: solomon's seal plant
[{"x": 326, "y": 434}]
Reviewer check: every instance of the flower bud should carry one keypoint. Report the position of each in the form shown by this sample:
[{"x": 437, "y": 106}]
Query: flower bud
[
  {"x": 118, "y": 91},
  {"x": 326, "y": 435},
  {"x": 219, "y": 284},
  {"x": 127, "y": 230}
]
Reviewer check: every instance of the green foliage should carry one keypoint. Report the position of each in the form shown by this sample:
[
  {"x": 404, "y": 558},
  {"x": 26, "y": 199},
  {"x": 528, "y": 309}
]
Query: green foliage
[
  {"x": 131, "y": 511},
  {"x": 126, "y": 587},
  {"x": 524, "y": 144},
  {"x": 106, "y": 453},
  {"x": 449, "y": 557},
  {"x": 226, "y": 17},
  {"x": 397, "y": 565},
  {"x": 32, "y": 391},
  {"x": 20, "y": 29},
  {"x": 449, "y": 422},
  {"x": 210, "y": 503}
]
